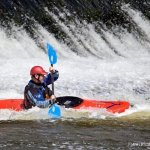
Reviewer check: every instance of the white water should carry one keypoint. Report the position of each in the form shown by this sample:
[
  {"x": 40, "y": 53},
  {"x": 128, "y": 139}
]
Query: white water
[{"x": 113, "y": 77}]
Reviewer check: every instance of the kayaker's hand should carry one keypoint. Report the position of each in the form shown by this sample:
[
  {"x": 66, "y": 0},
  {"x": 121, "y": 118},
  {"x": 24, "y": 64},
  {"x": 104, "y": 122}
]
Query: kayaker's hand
[
  {"x": 53, "y": 99},
  {"x": 51, "y": 69}
]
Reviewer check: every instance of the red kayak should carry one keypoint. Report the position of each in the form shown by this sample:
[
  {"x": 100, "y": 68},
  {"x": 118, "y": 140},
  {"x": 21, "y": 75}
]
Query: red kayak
[{"x": 72, "y": 102}]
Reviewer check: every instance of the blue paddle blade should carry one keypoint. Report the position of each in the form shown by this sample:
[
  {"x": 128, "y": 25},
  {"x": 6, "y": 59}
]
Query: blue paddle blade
[
  {"x": 51, "y": 54},
  {"x": 54, "y": 111}
]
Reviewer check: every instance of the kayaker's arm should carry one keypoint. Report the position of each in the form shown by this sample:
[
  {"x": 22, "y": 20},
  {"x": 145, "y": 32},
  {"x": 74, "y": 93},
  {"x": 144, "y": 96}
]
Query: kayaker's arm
[
  {"x": 37, "y": 100},
  {"x": 48, "y": 78}
]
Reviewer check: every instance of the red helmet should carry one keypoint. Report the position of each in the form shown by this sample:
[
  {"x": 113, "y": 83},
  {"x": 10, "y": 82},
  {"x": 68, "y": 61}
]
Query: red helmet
[{"x": 37, "y": 70}]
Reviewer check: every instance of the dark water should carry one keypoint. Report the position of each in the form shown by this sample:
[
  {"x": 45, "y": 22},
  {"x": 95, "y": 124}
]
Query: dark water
[{"x": 79, "y": 134}]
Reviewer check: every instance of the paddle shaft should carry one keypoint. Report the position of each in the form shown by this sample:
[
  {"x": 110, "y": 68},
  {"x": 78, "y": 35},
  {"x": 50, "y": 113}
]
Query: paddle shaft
[{"x": 52, "y": 78}]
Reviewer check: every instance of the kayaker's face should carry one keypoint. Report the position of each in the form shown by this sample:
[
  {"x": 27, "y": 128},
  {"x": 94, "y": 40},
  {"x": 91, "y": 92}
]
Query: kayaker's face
[{"x": 41, "y": 78}]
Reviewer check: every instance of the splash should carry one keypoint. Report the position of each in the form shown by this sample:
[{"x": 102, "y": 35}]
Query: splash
[{"x": 119, "y": 68}]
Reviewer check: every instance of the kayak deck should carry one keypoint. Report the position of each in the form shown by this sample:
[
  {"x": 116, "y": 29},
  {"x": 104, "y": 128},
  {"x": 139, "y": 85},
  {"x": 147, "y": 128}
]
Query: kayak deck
[
  {"x": 78, "y": 103},
  {"x": 111, "y": 106},
  {"x": 72, "y": 102}
]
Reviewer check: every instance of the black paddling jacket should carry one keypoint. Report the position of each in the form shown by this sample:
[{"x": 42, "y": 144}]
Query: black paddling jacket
[{"x": 36, "y": 94}]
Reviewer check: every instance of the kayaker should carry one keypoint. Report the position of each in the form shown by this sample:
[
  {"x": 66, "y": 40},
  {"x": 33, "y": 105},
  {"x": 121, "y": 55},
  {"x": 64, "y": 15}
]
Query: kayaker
[{"x": 37, "y": 93}]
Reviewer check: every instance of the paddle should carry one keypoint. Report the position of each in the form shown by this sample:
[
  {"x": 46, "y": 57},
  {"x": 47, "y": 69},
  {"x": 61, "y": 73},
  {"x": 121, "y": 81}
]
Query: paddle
[{"x": 54, "y": 111}]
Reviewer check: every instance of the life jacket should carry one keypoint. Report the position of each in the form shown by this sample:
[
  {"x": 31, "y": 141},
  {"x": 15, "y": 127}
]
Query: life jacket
[{"x": 37, "y": 90}]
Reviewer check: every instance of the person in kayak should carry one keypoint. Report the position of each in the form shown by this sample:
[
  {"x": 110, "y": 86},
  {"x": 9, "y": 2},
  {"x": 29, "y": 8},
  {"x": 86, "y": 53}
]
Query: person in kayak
[{"x": 37, "y": 93}]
